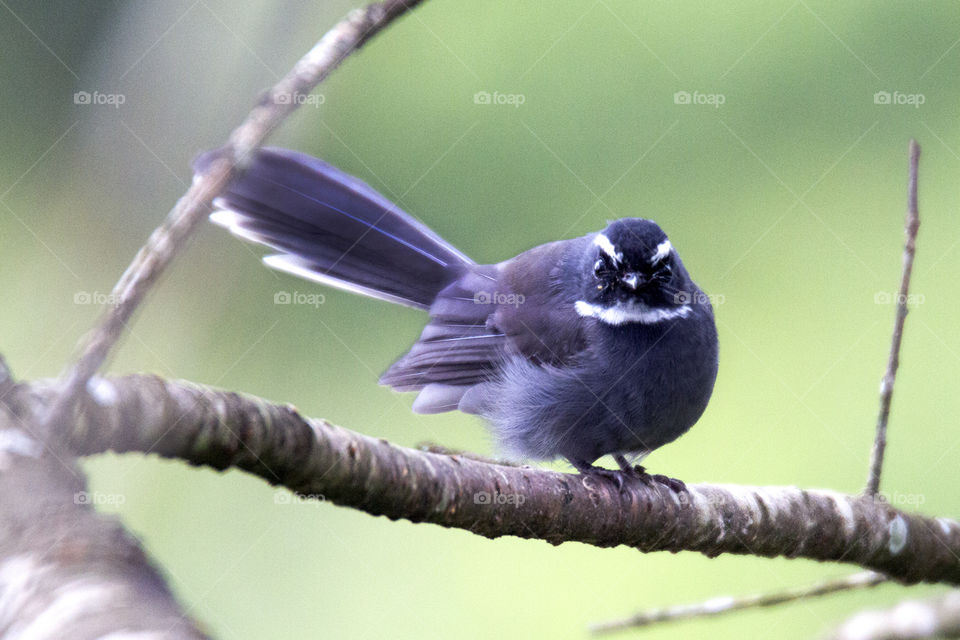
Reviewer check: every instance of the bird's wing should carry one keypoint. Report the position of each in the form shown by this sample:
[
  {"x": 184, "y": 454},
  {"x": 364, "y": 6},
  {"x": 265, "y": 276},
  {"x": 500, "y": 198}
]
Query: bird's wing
[
  {"x": 490, "y": 313},
  {"x": 539, "y": 320},
  {"x": 458, "y": 346}
]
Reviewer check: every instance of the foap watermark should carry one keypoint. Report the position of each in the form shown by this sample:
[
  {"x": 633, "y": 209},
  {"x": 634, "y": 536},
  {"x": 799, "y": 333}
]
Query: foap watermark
[
  {"x": 96, "y": 498},
  {"x": 487, "y": 498},
  {"x": 300, "y": 99},
  {"x": 495, "y": 297},
  {"x": 898, "y": 499},
  {"x": 698, "y": 297},
  {"x": 511, "y": 99},
  {"x": 296, "y": 297},
  {"x": 886, "y": 297},
  {"x": 899, "y": 98},
  {"x": 714, "y": 100},
  {"x": 96, "y": 98},
  {"x": 97, "y": 298},
  {"x": 282, "y": 496},
  {"x": 686, "y": 499}
]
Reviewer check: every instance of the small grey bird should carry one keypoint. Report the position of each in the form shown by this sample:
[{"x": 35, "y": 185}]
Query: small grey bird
[{"x": 577, "y": 348}]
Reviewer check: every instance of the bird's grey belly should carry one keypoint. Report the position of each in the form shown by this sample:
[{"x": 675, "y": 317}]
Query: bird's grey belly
[{"x": 542, "y": 412}]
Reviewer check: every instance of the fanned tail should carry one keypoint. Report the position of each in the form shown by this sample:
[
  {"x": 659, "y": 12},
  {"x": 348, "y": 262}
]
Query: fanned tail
[{"x": 334, "y": 229}]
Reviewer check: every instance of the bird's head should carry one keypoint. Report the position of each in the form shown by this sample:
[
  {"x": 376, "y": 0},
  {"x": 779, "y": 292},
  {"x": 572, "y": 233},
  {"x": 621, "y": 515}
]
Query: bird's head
[{"x": 633, "y": 274}]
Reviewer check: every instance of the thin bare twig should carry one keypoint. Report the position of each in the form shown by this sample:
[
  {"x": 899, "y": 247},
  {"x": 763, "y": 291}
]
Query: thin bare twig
[
  {"x": 726, "y": 604},
  {"x": 167, "y": 240},
  {"x": 886, "y": 386}
]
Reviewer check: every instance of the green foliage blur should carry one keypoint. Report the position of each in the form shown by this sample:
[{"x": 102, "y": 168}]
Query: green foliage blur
[{"x": 782, "y": 183}]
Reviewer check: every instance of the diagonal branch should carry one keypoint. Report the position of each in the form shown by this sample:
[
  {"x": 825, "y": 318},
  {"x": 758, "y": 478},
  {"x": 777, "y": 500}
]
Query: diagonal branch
[
  {"x": 166, "y": 240},
  {"x": 221, "y": 429},
  {"x": 912, "y": 224}
]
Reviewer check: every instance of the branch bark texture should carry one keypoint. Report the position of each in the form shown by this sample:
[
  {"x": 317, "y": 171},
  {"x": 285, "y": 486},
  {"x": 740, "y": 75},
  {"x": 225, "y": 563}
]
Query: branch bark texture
[{"x": 222, "y": 429}]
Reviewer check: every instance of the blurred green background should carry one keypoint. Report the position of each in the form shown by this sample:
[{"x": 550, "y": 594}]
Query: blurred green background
[{"x": 786, "y": 202}]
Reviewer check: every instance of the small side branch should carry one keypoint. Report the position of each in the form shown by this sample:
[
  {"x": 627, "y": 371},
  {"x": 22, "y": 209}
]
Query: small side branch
[
  {"x": 167, "y": 240},
  {"x": 721, "y": 605},
  {"x": 886, "y": 387}
]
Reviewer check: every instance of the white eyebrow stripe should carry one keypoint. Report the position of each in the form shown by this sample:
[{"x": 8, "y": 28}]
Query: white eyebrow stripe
[
  {"x": 607, "y": 247},
  {"x": 629, "y": 313},
  {"x": 663, "y": 250}
]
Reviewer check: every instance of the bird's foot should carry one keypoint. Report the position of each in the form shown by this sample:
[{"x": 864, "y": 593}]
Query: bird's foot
[
  {"x": 638, "y": 472},
  {"x": 675, "y": 485},
  {"x": 618, "y": 477},
  {"x": 628, "y": 473}
]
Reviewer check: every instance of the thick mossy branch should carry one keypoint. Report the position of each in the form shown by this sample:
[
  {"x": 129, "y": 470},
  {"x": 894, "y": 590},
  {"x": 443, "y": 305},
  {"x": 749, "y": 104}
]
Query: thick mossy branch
[{"x": 220, "y": 429}]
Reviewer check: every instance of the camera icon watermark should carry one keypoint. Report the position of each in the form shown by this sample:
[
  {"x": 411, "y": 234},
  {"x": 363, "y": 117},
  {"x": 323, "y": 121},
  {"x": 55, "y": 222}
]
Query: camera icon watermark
[
  {"x": 898, "y": 499},
  {"x": 296, "y": 297},
  {"x": 300, "y": 99},
  {"x": 687, "y": 499},
  {"x": 97, "y": 298},
  {"x": 495, "y": 297},
  {"x": 698, "y": 297},
  {"x": 715, "y": 100},
  {"x": 497, "y": 98},
  {"x": 487, "y": 498},
  {"x": 898, "y": 98},
  {"x": 886, "y": 297},
  {"x": 96, "y": 498},
  {"x": 284, "y": 496},
  {"x": 96, "y": 98}
]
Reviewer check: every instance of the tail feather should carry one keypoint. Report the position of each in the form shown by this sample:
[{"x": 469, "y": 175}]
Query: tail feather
[{"x": 335, "y": 229}]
